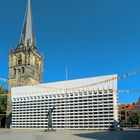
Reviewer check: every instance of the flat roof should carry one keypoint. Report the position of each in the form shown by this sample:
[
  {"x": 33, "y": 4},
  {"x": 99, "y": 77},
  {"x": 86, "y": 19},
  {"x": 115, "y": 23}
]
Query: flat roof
[{"x": 79, "y": 84}]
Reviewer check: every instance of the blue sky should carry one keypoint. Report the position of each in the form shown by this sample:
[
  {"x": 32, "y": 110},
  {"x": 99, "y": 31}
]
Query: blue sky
[{"x": 92, "y": 37}]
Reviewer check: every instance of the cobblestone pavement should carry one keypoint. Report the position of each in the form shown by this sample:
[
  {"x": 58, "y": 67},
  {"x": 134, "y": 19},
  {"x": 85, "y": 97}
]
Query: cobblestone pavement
[{"x": 69, "y": 135}]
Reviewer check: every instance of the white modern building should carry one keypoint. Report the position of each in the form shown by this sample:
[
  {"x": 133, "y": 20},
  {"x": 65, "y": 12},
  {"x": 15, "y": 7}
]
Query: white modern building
[{"x": 89, "y": 103}]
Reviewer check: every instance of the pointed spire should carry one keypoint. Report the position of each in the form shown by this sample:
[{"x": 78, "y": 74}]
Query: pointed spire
[{"x": 27, "y": 35}]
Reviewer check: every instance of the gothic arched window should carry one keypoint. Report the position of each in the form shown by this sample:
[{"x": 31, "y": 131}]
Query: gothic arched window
[
  {"x": 19, "y": 59},
  {"x": 36, "y": 63},
  {"x": 14, "y": 71},
  {"x": 23, "y": 69}
]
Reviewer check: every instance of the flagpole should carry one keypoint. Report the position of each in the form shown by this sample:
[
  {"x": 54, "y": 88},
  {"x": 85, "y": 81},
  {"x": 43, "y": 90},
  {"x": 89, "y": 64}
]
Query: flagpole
[
  {"x": 66, "y": 102},
  {"x": 66, "y": 73}
]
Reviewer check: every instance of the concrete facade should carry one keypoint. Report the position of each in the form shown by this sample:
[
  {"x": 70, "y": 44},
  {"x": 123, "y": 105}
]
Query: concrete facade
[{"x": 80, "y": 104}]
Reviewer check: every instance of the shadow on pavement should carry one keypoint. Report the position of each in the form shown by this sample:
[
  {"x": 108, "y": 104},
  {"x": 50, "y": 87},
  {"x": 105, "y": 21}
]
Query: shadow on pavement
[{"x": 112, "y": 135}]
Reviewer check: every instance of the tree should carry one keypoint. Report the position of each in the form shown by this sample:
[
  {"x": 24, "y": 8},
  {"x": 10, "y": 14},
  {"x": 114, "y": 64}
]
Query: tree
[
  {"x": 3, "y": 106},
  {"x": 135, "y": 116},
  {"x": 3, "y": 100}
]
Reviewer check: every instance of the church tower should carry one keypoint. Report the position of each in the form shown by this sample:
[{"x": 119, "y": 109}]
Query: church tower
[{"x": 25, "y": 62}]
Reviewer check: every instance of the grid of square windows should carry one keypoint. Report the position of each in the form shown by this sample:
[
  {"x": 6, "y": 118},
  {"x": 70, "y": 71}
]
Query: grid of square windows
[{"x": 78, "y": 110}]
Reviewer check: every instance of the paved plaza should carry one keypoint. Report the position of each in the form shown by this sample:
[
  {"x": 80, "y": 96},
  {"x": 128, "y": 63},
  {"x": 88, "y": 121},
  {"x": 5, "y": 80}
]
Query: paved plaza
[{"x": 69, "y": 135}]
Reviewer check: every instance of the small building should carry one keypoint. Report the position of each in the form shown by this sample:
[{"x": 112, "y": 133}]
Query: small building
[
  {"x": 137, "y": 106},
  {"x": 90, "y": 103},
  {"x": 125, "y": 110}
]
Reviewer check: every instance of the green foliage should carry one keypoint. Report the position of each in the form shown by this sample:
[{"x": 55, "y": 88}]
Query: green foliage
[
  {"x": 135, "y": 116},
  {"x": 3, "y": 100}
]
